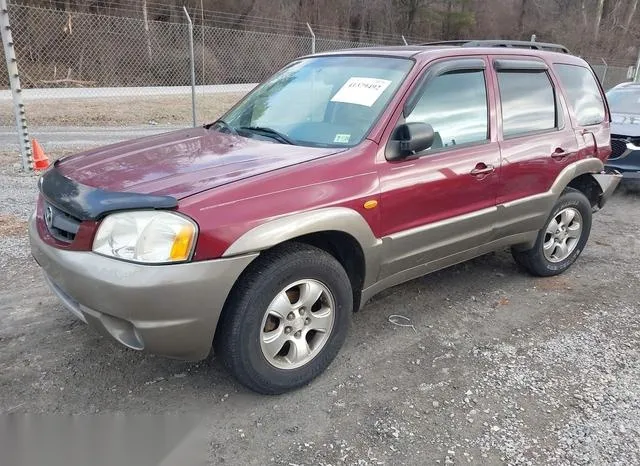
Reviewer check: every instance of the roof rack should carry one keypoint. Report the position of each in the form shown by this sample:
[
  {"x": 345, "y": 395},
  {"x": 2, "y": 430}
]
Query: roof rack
[{"x": 503, "y": 43}]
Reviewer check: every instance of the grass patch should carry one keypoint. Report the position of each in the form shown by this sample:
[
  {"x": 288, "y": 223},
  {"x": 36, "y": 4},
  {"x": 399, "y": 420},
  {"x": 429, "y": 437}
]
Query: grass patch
[{"x": 130, "y": 111}]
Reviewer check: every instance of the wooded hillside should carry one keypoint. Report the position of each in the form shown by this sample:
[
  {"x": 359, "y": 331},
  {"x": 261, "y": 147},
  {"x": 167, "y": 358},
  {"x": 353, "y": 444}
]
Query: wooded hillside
[{"x": 608, "y": 28}]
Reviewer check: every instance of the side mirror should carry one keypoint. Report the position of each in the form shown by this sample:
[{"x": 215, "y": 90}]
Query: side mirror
[{"x": 409, "y": 139}]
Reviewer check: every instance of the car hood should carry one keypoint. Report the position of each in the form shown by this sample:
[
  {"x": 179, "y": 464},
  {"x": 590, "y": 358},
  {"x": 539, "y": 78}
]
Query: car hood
[
  {"x": 625, "y": 124},
  {"x": 182, "y": 163}
]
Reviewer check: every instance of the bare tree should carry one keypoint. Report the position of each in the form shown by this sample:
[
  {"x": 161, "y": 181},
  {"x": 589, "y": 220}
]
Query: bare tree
[
  {"x": 632, "y": 11},
  {"x": 523, "y": 12},
  {"x": 598, "y": 18},
  {"x": 587, "y": 26}
]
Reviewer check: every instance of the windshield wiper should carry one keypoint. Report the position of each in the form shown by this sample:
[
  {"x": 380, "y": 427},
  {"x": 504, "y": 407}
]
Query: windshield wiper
[
  {"x": 269, "y": 132},
  {"x": 222, "y": 125}
]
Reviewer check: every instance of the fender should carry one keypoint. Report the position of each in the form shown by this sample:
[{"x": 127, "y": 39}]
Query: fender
[
  {"x": 581, "y": 167},
  {"x": 286, "y": 228},
  {"x": 605, "y": 182}
]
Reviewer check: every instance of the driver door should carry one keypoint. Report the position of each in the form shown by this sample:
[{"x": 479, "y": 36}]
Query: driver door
[{"x": 441, "y": 203}]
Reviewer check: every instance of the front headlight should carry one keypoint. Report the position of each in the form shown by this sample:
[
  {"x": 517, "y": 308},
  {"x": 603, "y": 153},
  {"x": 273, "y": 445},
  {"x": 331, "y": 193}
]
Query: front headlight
[{"x": 150, "y": 237}]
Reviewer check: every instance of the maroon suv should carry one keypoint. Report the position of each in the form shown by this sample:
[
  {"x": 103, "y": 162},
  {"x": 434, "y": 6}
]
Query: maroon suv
[{"x": 344, "y": 174}]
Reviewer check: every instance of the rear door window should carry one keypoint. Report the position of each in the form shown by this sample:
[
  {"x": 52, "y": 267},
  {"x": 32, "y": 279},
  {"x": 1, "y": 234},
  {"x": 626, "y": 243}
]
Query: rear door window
[
  {"x": 583, "y": 93},
  {"x": 528, "y": 102}
]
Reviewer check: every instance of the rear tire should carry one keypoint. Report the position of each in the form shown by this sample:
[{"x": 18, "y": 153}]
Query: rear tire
[
  {"x": 286, "y": 319},
  {"x": 561, "y": 241}
]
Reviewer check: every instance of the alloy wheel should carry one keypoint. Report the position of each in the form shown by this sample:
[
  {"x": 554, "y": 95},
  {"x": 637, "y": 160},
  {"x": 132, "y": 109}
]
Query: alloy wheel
[
  {"x": 297, "y": 324},
  {"x": 562, "y": 235}
]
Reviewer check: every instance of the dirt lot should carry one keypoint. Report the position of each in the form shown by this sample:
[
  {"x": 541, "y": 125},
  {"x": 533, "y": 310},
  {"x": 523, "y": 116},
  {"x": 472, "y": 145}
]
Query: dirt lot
[
  {"x": 144, "y": 110},
  {"x": 502, "y": 368}
]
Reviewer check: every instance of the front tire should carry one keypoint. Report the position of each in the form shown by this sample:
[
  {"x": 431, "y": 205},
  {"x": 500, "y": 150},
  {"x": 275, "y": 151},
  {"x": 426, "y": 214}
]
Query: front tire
[
  {"x": 286, "y": 319},
  {"x": 561, "y": 241}
]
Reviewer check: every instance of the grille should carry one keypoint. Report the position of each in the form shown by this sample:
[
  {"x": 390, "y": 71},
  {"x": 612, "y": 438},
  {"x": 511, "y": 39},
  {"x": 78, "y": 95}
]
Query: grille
[
  {"x": 61, "y": 225},
  {"x": 618, "y": 147}
]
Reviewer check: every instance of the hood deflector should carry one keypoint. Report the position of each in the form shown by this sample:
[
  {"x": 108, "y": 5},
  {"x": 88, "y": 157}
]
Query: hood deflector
[{"x": 89, "y": 203}]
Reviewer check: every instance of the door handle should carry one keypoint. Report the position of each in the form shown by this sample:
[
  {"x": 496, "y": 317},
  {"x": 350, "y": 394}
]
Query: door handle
[
  {"x": 559, "y": 154},
  {"x": 482, "y": 169},
  {"x": 586, "y": 133}
]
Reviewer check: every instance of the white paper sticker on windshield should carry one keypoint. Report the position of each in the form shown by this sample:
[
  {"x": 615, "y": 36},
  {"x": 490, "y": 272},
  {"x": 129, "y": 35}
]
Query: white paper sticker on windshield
[
  {"x": 361, "y": 91},
  {"x": 342, "y": 138}
]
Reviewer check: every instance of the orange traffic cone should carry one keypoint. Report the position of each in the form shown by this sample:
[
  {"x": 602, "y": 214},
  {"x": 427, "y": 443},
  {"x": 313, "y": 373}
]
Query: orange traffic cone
[{"x": 40, "y": 159}]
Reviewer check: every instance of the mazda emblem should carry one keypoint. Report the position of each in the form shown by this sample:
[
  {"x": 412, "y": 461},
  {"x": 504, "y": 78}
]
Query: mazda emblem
[{"x": 48, "y": 217}]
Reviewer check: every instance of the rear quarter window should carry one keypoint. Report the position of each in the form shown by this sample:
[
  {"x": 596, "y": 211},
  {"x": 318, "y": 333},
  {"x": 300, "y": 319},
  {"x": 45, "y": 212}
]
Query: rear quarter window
[{"x": 583, "y": 93}]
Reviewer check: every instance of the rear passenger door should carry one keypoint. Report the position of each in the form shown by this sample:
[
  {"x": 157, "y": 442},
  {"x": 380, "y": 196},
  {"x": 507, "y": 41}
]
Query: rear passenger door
[
  {"x": 536, "y": 137},
  {"x": 536, "y": 140}
]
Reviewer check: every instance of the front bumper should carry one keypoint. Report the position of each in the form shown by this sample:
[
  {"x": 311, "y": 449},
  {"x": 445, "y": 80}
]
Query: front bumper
[
  {"x": 626, "y": 160},
  {"x": 170, "y": 310},
  {"x": 629, "y": 176}
]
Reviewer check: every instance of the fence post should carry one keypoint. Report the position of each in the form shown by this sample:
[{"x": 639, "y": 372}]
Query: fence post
[
  {"x": 636, "y": 77},
  {"x": 604, "y": 74},
  {"x": 404, "y": 40},
  {"x": 193, "y": 67},
  {"x": 313, "y": 39},
  {"x": 16, "y": 89}
]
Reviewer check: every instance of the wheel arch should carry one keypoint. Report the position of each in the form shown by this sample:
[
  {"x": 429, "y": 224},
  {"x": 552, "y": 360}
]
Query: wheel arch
[
  {"x": 577, "y": 175},
  {"x": 582, "y": 176},
  {"x": 587, "y": 185},
  {"x": 340, "y": 231},
  {"x": 588, "y": 176},
  {"x": 346, "y": 250}
]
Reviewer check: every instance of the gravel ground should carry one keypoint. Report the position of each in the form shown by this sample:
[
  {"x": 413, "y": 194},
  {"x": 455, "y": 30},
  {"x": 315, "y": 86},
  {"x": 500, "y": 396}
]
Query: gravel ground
[
  {"x": 502, "y": 368},
  {"x": 122, "y": 111}
]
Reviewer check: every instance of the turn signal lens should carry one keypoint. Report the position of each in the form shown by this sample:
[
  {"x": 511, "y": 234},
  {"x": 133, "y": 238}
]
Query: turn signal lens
[
  {"x": 372, "y": 204},
  {"x": 182, "y": 244}
]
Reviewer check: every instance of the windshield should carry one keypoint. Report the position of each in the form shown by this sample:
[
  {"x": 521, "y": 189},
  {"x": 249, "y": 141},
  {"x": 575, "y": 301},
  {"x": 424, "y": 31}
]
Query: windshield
[
  {"x": 624, "y": 100},
  {"x": 321, "y": 102}
]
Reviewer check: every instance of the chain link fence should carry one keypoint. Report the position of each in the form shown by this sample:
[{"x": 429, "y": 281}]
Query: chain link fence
[
  {"x": 88, "y": 51},
  {"x": 4, "y": 75},
  {"x": 141, "y": 65},
  {"x": 128, "y": 64},
  {"x": 612, "y": 73}
]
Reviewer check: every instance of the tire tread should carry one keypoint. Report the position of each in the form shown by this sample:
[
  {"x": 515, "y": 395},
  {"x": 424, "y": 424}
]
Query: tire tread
[
  {"x": 229, "y": 336},
  {"x": 532, "y": 260}
]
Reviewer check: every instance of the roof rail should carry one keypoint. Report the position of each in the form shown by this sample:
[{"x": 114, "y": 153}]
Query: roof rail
[{"x": 503, "y": 43}]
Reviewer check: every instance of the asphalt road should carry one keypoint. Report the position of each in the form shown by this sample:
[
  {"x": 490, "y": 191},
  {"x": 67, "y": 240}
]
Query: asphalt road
[{"x": 109, "y": 92}]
